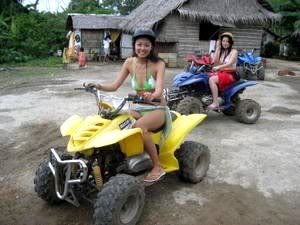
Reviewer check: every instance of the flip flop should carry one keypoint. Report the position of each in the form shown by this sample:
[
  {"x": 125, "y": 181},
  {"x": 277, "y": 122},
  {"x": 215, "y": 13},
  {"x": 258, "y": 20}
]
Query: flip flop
[
  {"x": 216, "y": 107},
  {"x": 149, "y": 180}
]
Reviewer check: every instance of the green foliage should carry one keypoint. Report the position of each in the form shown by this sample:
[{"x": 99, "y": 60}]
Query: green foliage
[
  {"x": 43, "y": 62},
  {"x": 30, "y": 35},
  {"x": 11, "y": 55},
  {"x": 270, "y": 49},
  {"x": 51, "y": 61},
  {"x": 87, "y": 6},
  {"x": 11, "y": 7},
  {"x": 290, "y": 11},
  {"x": 26, "y": 34},
  {"x": 123, "y": 7}
]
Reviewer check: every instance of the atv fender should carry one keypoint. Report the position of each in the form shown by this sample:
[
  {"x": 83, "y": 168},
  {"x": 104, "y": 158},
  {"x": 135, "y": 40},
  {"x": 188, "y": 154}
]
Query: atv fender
[
  {"x": 131, "y": 141},
  {"x": 70, "y": 125},
  {"x": 233, "y": 90},
  {"x": 181, "y": 127}
]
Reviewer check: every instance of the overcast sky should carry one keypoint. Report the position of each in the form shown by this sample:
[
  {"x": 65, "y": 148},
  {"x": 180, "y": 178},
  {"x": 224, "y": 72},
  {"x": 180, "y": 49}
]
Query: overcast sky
[{"x": 49, "y": 5}]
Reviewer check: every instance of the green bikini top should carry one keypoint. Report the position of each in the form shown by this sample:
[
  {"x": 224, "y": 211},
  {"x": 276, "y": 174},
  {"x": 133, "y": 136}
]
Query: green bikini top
[{"x": 149, "y": 83}]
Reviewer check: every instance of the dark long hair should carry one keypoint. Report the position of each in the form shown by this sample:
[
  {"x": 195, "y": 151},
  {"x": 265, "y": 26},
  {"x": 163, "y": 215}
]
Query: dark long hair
[
  {"x": 153, "y": 56},
  {"x": 230, "y": 40}
]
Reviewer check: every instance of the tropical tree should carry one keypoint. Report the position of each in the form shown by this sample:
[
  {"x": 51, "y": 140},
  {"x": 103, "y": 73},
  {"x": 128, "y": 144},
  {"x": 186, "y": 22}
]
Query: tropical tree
[
  {"x": 87, "y": 6},
  {"x": 290, "y": 11},
  {"x": 123, "y": 7}
]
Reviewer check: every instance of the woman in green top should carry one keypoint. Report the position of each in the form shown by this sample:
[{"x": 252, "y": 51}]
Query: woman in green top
[{"x": 146, "y": 71}]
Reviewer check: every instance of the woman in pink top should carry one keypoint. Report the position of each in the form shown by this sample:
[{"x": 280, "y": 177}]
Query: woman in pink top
[{"x": 225, "y": 60}]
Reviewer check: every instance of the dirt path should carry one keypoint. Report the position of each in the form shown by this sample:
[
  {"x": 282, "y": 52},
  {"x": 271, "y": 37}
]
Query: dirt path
[{"x": 253, "y": 178}]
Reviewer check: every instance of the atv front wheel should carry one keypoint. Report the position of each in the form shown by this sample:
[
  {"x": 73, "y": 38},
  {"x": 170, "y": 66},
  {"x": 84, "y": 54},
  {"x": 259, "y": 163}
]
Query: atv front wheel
[
  {"x": 44, "y": 184},
  {"x": 120, "y": 202},
  {"x": 249, "y": 75},
  {"x": 194, "y": 159},
  {"x": 261, "y": 74},
  {"x": 189, "y": 105},
  {"x": 248, "y": 111},
  {"x": 187, "y": 68}
]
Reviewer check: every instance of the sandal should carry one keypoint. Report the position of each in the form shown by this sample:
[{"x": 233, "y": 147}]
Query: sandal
[{"x": 150, "y": 178}]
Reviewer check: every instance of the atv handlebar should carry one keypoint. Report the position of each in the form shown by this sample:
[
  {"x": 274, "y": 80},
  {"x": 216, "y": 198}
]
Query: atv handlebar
[
  {"x": 134, "y": 98},
  {"x": 139, "y": 99}
]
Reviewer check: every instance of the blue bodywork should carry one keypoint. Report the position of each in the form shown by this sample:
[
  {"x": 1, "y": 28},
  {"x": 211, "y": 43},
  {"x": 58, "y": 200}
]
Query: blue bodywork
[
  {"x": 201, "y": 83},
  {"x": 248, "y": 57},
  {"x": 249, "y": 62}
]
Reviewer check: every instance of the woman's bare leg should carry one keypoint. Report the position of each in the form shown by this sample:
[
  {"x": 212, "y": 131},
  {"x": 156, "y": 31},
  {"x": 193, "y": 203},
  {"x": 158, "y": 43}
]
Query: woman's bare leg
[
  {"x": 151, "y": 121},
  {"x": 213, "y": 81},
  {"x": 136, "y": 115}
]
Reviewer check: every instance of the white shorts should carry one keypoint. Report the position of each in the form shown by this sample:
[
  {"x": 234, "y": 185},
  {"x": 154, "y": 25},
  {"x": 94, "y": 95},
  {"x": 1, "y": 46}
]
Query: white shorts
[{"x": 106, "y": 51}]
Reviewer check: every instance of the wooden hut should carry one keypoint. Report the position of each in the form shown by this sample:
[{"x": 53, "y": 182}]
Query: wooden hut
[
  {"x": 90, "y": 30},
  {"x": 187, "y": 26}
]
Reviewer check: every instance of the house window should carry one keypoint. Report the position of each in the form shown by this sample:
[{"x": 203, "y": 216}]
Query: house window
[{"x": 208, "y": 31}]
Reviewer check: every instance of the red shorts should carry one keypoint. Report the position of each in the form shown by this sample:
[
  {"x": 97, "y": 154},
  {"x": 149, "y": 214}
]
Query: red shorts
[{"x": 226, "y": 78}]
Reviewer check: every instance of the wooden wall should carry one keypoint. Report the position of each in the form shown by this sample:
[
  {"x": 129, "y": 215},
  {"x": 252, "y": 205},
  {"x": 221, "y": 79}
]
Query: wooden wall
[
  {"x": 246, "y": 37},
  {"x": 91, "y": 40},
  {"x": 184, "y": 34}
]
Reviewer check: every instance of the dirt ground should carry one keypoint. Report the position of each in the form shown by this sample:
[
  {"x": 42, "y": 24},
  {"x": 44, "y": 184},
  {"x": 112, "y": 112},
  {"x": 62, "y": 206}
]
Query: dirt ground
[{"x": 253, "y": 177}]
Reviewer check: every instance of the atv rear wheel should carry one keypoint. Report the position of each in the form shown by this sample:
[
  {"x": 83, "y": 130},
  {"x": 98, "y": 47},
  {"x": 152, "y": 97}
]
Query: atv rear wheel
[
  {"x": 120, "y": 202},
  {"x": 44, "y": 184},
  {"x": 189, "y": 105},
  {"x": 248, "y": 111},
  {"x": 231, "y": 110},
  {"x": 194, "y": 159}
]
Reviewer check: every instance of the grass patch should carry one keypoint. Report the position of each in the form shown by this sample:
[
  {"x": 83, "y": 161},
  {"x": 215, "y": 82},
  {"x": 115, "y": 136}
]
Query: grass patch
[{"x": 40, "y": 62}]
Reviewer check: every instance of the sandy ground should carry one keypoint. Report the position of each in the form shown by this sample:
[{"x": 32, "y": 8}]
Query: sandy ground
[{"x": 253, "y": 177}]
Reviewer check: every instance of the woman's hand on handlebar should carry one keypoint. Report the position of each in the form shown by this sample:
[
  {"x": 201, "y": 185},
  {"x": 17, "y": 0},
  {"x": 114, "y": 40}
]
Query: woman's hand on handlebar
[
  {"x": 92, "y": 85},
  {"x": 148, "y": 97}
]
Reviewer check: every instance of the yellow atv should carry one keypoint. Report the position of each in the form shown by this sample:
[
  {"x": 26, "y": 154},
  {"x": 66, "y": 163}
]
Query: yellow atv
[{"x": 105, "y": 155}]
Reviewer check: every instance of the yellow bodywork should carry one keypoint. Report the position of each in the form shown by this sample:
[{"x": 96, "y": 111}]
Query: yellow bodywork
[{"x": 96, "y": 132}]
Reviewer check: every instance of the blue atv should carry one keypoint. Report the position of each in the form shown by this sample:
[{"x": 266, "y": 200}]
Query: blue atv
[
  {"x": 250, "y": 66},
  {"x": 191, "y": 94}
]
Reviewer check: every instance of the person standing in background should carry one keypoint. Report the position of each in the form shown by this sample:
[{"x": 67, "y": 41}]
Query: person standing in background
[
  {"x": 106, "y": 45},
  {"x": 82, "y": 59}
]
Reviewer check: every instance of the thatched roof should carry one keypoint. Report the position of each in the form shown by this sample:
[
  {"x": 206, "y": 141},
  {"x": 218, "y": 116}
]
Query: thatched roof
[
  {"x": 216, "y": 11},
  {"x": 150, "y": 12},
  {"x": 229, "y": 11},
  {"x": 94, "y": 21}
]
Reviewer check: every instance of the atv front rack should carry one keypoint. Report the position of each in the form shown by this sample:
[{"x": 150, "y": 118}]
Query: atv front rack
[{"x": 62, "y": 185}]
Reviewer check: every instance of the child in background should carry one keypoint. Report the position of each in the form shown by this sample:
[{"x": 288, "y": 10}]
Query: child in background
[{"x": 82, "y": 59}]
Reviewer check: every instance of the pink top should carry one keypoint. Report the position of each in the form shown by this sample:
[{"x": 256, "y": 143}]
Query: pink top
[{"x": 81, "y": 58}]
